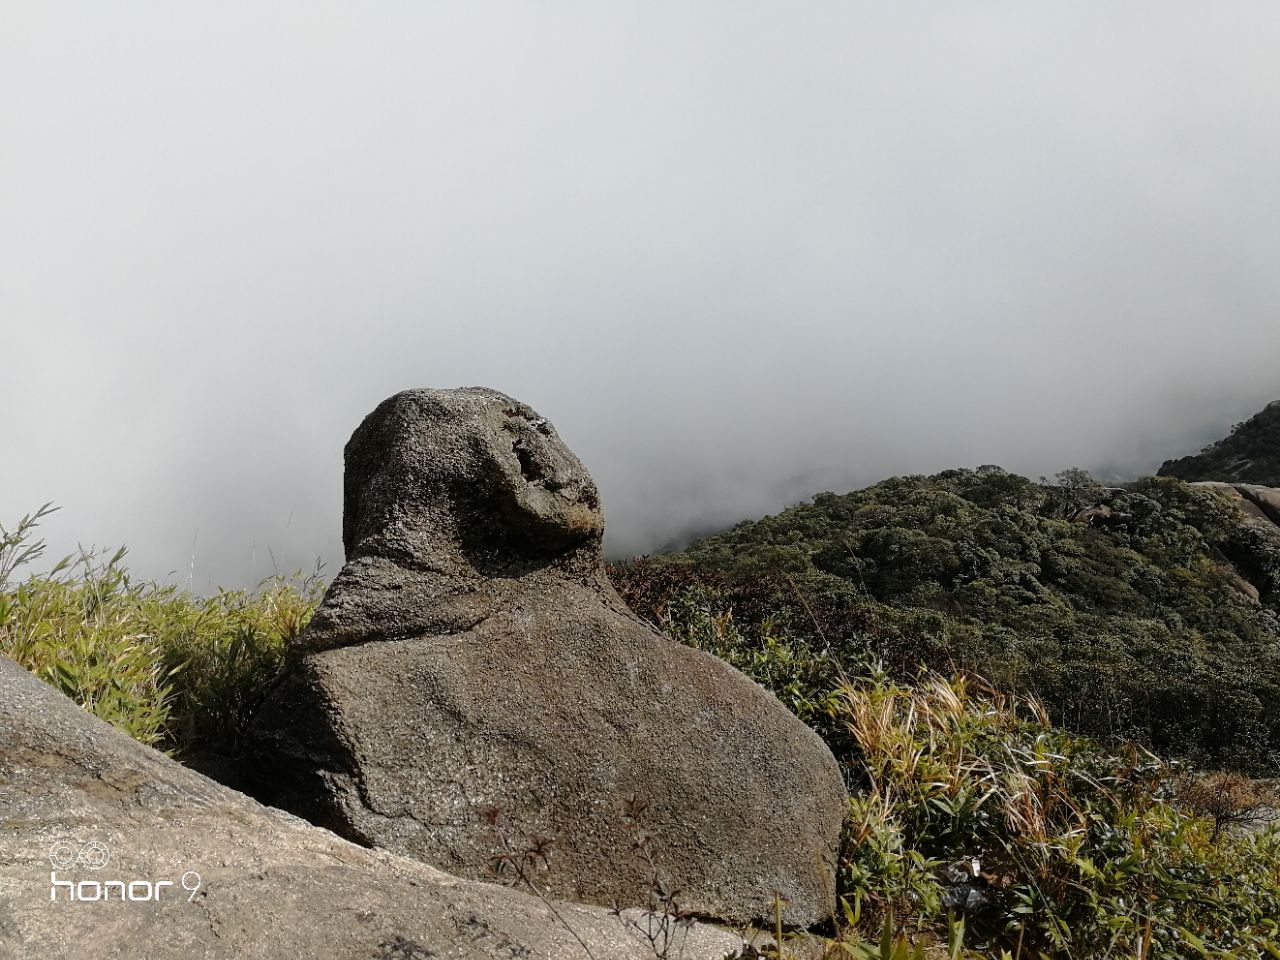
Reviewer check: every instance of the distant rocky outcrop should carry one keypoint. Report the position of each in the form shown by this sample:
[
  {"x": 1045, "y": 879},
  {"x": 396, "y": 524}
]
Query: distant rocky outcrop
[
  {"x": 164, "y": 864},
  {"x": 1248, "y": 559},
  {"x": 471, "y": 663},
  {"x": 1249, "y": 454},
  {"x": 1258, "y": 504}
]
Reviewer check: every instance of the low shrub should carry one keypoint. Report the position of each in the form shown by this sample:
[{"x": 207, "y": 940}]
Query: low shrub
[
  {"x": 1152, "y": 614},
  {"x": 167, "y": 667},
  {"x": 968, "y": 804},
  {"x": 79, "y": 629},
  {"x": 1057, "y": 847}
]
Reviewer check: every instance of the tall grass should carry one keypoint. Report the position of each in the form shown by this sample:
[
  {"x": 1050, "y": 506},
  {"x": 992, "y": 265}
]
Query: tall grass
[
  {"x": 1083, "y": 852},
  {"x": 967, "y": 803},
  {"x": 166, "y": 666}
]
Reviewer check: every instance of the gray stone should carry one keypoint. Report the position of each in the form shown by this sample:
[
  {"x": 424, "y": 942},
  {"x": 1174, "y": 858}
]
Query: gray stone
[
  {"x": 1250, "y": 568},
  {"x": 472, "y": 657},
  {"x": 81, "y": 802},
  {"x": 1266, "y": 499},
  {"x": 1260, "y": 506}
]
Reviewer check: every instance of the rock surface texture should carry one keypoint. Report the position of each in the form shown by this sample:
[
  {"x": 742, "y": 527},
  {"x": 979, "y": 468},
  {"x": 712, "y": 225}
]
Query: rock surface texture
[
  {"x": 472, "y": 660},
  {"x": 1260, "y": 505},
  {"x": 1250, "y": 563},
  {"x": 83, "y": 804}
]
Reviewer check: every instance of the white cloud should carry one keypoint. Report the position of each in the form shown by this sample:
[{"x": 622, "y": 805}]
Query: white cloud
[{"x": 735, "y": 251}]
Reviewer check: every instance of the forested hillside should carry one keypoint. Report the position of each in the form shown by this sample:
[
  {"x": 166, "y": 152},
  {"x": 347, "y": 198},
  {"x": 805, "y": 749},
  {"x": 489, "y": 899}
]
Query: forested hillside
[
  {"x": 1249, "y": 454},
  {"x": 1148, "y": 612}
]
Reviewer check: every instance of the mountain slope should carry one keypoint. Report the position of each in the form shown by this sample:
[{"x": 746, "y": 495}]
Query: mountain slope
[
  {"x": 1249, "y": 454},
  {"x": 1151, "y": 612}
]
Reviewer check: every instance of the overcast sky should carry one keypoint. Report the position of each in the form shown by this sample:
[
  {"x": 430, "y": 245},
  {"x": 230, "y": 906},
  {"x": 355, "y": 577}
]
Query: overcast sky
[{"x": 738, "y": 252}]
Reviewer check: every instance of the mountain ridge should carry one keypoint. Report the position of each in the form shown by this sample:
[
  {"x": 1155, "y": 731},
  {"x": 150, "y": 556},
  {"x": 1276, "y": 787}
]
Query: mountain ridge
[
  {"x": 1250, "y": 453},
  {"x": 1148, "y": 611}
]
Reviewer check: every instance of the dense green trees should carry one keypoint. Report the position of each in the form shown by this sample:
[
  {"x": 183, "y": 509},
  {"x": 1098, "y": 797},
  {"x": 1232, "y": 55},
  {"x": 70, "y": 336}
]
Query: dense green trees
[
  {"x": 1249, "y": 454},
  {"x": 1130, "y": 612}
]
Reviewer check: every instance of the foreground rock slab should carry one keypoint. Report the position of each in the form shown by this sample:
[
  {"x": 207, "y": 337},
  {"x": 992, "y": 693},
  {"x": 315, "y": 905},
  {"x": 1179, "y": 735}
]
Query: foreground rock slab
[
  {"x": 472, "y": 666},
  {"x": 154, "y": 861}
]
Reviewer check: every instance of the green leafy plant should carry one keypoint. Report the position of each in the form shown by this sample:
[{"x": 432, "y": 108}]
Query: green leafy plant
[
  {"x": 78, "y": 629},
  {"x": 18, "y": 546},
  {"x": 1084, "y": 850},
  {"x": 166, "y": 666},
  {"x": 225, "y": 651}
]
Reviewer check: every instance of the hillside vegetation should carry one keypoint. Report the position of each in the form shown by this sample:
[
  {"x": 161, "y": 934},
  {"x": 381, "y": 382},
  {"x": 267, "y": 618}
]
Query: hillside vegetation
[
  {"x": 977, "y": 828},
  {"x": 168, "y": 667},
  {"x": 1249, "y": 454},
  {"x": 1148, "y": 613}
]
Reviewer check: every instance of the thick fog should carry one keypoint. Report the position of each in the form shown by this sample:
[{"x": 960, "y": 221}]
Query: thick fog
[{"x": 738, "y": 252}]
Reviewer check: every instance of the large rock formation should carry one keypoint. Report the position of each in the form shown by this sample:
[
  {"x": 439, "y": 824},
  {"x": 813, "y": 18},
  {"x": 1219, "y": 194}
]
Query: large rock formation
[
  {"x": 472, "y": 662},
  {"x": 164, "y": 864},
  {"x": 1259, "y": 505},
  {"x": 1250, "y": 559}
]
